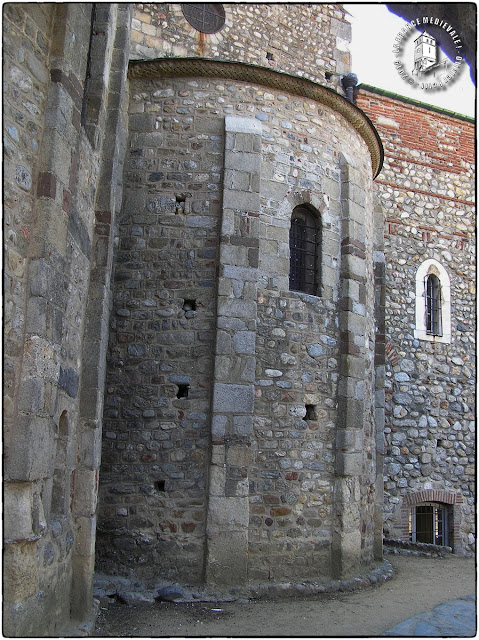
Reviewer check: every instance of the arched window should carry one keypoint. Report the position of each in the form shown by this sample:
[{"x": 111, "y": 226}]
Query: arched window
[
  {"x": 304, "y": 249},
  {"x": 433, "y": 303}
]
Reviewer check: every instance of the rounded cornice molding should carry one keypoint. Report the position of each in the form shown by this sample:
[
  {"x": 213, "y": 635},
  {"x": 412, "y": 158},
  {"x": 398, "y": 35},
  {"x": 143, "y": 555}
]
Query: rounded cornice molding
[{"x": 203, "y": 67}]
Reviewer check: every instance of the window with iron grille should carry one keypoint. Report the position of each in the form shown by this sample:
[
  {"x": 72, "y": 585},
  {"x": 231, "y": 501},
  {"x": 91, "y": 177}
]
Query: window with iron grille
[
  {"x": 428, "y": 523},
  {"x": 433, "y": 305},
  {"x": 304, "y": 247}
]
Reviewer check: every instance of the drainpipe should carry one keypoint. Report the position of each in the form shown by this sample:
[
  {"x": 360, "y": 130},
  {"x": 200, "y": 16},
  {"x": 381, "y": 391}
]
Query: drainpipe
[{"x": 349, "y": 83}]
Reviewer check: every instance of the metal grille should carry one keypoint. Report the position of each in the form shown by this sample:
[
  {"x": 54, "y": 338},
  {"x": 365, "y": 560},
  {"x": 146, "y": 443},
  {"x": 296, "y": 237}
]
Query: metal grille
[
  {"x": 433, "y": 306},
  {"x": 303, "y": 241},
  {"x": 428, "y": 524},
  {"x": 207, "y": 18}
]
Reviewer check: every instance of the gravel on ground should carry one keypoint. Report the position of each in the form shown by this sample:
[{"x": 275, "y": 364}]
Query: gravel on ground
[{"x": 419, "y": 584}]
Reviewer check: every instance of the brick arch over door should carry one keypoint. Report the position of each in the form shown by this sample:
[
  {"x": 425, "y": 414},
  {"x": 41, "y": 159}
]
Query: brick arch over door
[{"x": 455, "y": 500}]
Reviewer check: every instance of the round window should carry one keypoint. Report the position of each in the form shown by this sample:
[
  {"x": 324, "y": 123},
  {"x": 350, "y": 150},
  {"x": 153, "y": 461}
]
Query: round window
[{"x": 207, "y": 18}]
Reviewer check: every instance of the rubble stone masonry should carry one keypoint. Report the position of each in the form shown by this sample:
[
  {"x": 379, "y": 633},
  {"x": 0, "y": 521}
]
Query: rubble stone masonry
[
  {"x": 173, "y": 411},
  {"x": 282, "y": 38},
  {"x": 225, "y": 455},
  {"x": 427, "y": 192}
]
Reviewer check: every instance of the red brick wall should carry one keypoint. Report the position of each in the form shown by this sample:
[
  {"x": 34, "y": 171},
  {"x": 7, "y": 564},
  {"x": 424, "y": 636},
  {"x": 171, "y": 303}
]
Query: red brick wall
[{"x": 438, "y": 136}]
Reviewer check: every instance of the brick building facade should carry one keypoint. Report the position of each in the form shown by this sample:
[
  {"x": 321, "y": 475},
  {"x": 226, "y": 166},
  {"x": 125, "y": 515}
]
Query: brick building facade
[{"x": 158, "y": 180}]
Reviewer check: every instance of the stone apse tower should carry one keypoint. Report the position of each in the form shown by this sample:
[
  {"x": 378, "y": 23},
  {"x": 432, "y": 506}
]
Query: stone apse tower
[
  {"x": 240, "y": 425},
  {"x": 194, "y": 276}
]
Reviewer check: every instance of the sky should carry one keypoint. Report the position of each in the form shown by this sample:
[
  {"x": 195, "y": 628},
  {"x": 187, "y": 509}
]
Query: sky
[{"x": 374, "y": 31}]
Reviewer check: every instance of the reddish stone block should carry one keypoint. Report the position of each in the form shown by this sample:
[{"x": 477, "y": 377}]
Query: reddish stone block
[
  {"x": 276, "y": 512},
  {"x": 46, "y": 185},
  {"x": 291, "y": 475},
  {"x": 67, "y": 201}
]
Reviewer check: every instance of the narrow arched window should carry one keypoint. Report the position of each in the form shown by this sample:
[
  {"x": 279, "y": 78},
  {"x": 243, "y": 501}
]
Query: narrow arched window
[
  {"x": 304, "y": 246},
  {"x": 433, "y": 305}
]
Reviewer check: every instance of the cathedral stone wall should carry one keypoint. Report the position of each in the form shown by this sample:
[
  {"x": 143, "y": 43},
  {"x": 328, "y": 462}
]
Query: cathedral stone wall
[
  {"x": 54, "y": 306},
  {"x": 150, "y": 325},
  {"x": 427, "y": 192},
  {"x": 280, "y": 37},
  {"x": 221, "y": 413}
]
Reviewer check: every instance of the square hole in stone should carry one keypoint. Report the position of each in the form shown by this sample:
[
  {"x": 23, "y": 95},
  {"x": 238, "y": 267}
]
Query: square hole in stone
[
  {"x": 180, "y": 203},
  {"x": 189, "y": 305},
  {"x": 160, "y": 485},
  {"x": 183, "y": 390},
  {"x": 310, "y": 412}
]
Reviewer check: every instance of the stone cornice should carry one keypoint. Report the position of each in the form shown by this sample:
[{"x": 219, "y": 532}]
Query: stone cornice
[{"x": 202, "y": 67}]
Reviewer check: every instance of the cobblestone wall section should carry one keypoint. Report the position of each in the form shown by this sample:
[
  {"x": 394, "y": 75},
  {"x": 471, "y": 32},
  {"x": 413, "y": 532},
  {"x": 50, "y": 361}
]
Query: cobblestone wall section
[
  {"x": 281, "y": 37},
  {"x": 26, "y": 39},
  {"x": 427, "y": 190},
  {"x": 292, "y": 476},
  {"x": 160, "y": 367},
  {"x": 299, "y": 372},
  {"x": 40, "y": 441}
]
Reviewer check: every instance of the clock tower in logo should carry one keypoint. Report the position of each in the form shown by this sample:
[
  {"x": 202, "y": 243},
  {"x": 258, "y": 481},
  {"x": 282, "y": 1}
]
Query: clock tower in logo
[{"x": 425, "y": 53}]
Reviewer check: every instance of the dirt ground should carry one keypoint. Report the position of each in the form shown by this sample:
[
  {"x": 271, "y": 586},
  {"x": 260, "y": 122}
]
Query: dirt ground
[{"x": 419, "y": 584}]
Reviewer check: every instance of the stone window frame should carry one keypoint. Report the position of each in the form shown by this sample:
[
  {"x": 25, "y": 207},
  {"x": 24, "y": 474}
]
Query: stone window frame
[
  {"x": 311, "y": 216},
  {"x": 427, "y": 268}
]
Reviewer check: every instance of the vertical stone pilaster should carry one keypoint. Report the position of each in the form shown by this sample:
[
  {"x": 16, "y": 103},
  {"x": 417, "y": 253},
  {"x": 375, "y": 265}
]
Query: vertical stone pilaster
[
  {"x": 346, "y": 543},
  {"x": 106, "y": 131},
  {"x": 233, "y": 390},
  {"x": 379, "y": 370}
]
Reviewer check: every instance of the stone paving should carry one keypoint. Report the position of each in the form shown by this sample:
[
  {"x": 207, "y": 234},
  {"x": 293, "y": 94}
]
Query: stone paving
[{"x": 456, "y": 618}]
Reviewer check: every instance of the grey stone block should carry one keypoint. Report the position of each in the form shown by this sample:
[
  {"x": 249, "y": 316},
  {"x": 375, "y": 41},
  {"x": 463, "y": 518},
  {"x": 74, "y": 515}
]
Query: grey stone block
[
  {"x": 235, "y": 124},
  {"x": 242, "y": 163},
  {"x": 352, "y": 366},
  {"x": 240, "y": 273},
  {"x": 17, "y": 514},
  {"x": 241, "y": 200},
  {"x": 233, "y": 398},
  {"x": 218, "y": 425},
  {"x": 69, "y": 381},
  {"x": 30, "y": 456},
  {"x": 348, "y": 463},
  {"x": 202, "y": 222},
  {"x": 236, "y": 310},
  {"x": 244, "y": 342},
  {"x": 31, "y": 395},
  {"x": 243, "y": 425},
  {"x": 228, "y": 514}
]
